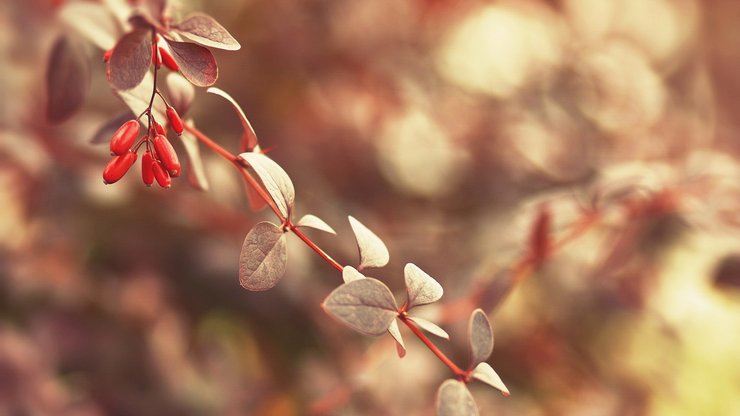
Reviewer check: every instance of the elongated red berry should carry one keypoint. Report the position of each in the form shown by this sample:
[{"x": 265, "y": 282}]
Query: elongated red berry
[
  {"x": 124, "y": 137},
  {"x": 175, "y": 120},
  {"x": 161, "y": 175},
  {"x": 168, "y": 60},
  {"x": 159, "y": 129},
  {"x": 147, "y": 174},
  {"x": 166, "y": 154},
  {"x": 117, "y": 167}
]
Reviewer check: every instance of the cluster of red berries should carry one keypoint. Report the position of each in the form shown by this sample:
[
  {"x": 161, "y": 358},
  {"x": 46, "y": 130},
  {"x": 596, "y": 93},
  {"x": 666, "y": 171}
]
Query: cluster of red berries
[{"x": 159, "y": 162}]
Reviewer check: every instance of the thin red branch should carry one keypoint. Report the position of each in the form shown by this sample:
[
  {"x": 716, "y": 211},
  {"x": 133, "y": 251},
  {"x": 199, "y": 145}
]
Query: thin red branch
[{"x": 460, "y": 373}]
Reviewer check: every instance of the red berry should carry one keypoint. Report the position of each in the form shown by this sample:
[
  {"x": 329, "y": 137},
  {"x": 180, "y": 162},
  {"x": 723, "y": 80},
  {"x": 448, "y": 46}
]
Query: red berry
[
  {"x": 147, "y": 174},
  {"x": 159, "y": 129},
  {"x": 118, "y": 167},
  {"x": 168, "y": 60},
  {"x": 107, "y": 54},
  {"x": 124, "y": 137},
  {"x": 175, "y": 120},
  {"x": 163, "y": 178},
  {"x": 167, "y": 155}
]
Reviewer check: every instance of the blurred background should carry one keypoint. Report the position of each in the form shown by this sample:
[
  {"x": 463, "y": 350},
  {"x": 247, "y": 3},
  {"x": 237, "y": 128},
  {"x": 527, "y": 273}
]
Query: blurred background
[{"x": 447, "y": 127}]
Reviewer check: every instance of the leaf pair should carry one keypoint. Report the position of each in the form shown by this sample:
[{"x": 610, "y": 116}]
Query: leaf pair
[{"x": 453, "y": 396}]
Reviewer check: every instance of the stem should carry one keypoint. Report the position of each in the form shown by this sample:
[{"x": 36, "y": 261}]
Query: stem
[
  {"x": 442, "y": 357},
  {"x": 288, "y": 224}
]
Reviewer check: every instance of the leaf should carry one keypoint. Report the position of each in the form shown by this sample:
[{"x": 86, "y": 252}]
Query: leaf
[
  {"x": 67, "y": 79},
  {"x": 93, "y": 21},
  {"x": 197, "y": 63},
  {"x": 315, "y": 222},
  {"x": 430, "y": 327},
  {"x": 205, "y": 30},
  {"x": 105, "y": 132},
  {"x": 350, "y": 274},
  {"x": 276, "y": 181},
  {"x": 130, "y": 60},
  {"x": 263, "y": 257},
  {"x": 485, "y": 373},
  {"x": 373, "y": 252},
  {"x": 480, "y": 336},
  {"x": 454, "y": 399},
  {"x": 421, "y": 288},
  {"x": 396, "y": 334},
  {"x": 137, "y": 98},
  {"x": 365, "y": 305},
  {"x": 249, "y": 140},
  {"x": 196, "y": 171},
  {"x": 181, "y": 93}
]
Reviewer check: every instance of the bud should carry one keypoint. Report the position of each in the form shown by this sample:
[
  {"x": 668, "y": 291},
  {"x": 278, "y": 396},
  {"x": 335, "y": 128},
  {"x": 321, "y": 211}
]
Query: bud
[
  {"x": 147, "y": 173},
  {"x": 124, "y": 137},
  {"x": 168, "y": 60},
  {"x": 163, "y": 178},
  {"x": 159, "y": 129},
  {"x": 175, "y": 120},
  {"x": 118, "y": 167}
]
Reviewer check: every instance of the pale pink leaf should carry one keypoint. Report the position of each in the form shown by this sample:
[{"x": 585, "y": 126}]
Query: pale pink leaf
[
  {"x": 137, "y": 98},
  {"x": 196, "y": 63},
  {"x": 250, "y": 137},
  {"x": 430, "y": 327},
  {"x": 396, "y": 334},
  {"x": 314, "y": 222},
  {"x": 263, "y": 258},
  {"x": 350, "y": 274},
  {"x": 276, "y": 181},
  {"x": 195, "y": 170},
  {"x": 365, "y": 305},
  {"x": 130, "y": 60},
  {"x": 373, "y": 252},
  {"x": 454, "y": 399},
  {"x": 485, "y": 373},
  {"x": 67, "y": 79},
  {"x": 181, "y": 93},
  {"x": 93, "y": 21},
  {"x": 421, "y": 288},
  {"x": 205, "y": 30},
  {"x": 480, "y": 336}
]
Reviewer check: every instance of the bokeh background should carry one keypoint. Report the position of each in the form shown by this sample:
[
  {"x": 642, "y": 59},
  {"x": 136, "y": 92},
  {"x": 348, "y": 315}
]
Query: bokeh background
[{"x": 445, "y": 126}]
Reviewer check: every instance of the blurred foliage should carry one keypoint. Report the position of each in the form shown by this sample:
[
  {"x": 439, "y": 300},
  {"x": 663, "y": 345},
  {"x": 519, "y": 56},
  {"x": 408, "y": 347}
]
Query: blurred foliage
[{"x": 443, "y": 126}]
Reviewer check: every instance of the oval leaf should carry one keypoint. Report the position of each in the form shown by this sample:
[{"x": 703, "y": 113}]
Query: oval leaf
[
  {"x": 373, "y": 252},
  {"x": 486, "y": 374},
  {"x": 181, "y": 93},
  {"x": 365, "y": 305},
  {"x": 396, "y": 334},
  {"x": 137, "y": 98},
  {"x": 421, "y": 288},
  {"x": 205, "y": 30},
  {"x": 350, "y": 274},
  {"x": 196, "y": 171},
  {"x": 454, "y": 399},
  {"x": 480, "y": 337},
  {"x": 263, "y": 257},
  {"x": 276, "y": 181},
  {"x": 249, "y": 139},
  {"x": 130, "y": 60},
  {"x": 315, "y": 222},
  {"x": 197, "y": 63},
  {"x": 67, "y": 79},
  {"x": 430, "y": 327}
]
